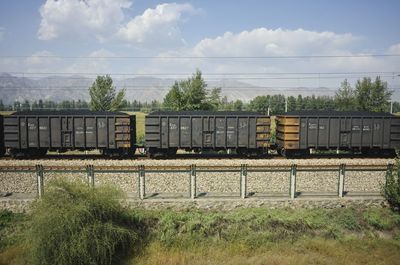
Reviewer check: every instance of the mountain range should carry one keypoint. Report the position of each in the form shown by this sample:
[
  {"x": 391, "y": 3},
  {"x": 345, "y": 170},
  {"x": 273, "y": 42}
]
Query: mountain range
[{"x": 143, "y": 89}]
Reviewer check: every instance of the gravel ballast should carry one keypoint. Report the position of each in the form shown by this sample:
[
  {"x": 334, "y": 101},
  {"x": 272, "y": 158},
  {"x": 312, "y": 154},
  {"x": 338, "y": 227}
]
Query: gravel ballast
[{"x": 207, "y": 182}]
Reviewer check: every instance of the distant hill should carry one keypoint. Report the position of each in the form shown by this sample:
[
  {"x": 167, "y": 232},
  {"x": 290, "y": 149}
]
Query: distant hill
[{"x": 58, "y": 88}]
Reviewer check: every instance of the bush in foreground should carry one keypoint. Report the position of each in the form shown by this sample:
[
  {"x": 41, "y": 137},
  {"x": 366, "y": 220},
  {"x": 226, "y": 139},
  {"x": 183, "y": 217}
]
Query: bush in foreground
[
  {"x": 391, "y": 190},
  {"x": 75, "y": 224}
]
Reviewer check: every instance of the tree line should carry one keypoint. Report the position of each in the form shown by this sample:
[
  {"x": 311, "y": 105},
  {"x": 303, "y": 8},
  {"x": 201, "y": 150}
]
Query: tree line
[
  {"x": 367, "y": 95},
  {"x": 194, "y": 94}
]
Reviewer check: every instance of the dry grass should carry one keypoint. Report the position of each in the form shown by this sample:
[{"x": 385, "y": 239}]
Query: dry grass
[
  {"x": 307, "y": 251},
  {"x": 242, "y": 236},
  {"x": 4, "y": 112}
]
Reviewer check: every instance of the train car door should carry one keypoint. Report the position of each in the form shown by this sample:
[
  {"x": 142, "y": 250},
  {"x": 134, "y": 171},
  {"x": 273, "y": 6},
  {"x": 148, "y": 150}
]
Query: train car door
[
  {"x": 208, "y": 132},
  {"x": 66, "y": 131}
]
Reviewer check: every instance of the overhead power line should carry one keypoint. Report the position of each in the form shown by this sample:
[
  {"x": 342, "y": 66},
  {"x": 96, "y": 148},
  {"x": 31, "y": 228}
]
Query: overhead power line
[
  {"x": 395, "y": 73},
  {"x": 252, "y": 78},
  {"x": 203, "y": 57},
  {"x": 234, "y": 88}
]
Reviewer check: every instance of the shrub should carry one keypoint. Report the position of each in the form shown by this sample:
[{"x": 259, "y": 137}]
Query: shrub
[
  {"x": 391, "y": 190},
  {"x": 75, "y": 224},
  {"x": 11, "y": 227}
]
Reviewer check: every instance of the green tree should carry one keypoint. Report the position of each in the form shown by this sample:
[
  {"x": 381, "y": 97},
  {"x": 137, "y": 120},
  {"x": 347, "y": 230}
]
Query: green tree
[
  {"x": 174, "y": 99},
  {"x": 194, "y": 92},
  {"x": 238, "y": 105},
  {"x": 309, "y": 103},
  {"x": 214, "y": 99},
  {"x": 103, "y": 95},
  {"x": 190, "y": 94},
  {"x": 299, "y": 103},
  {"x": 291, "y": 101},
  {"x": 17, "y": 106},
  {"x": 372, "y": 96},
  {"x": 35, "y": 105},
  {"x": 65, "y": 104},
  {"x": 50, "y": 105},
  {"x": 260, "y": 104},
  {"x": 396, "y": 107},
  {"x": 277, "y": 104},
  {"x": 345, "y": 99},
  {"x": 380, "y": 96},
  {"x": 26, "y": 105},
  {"x": 40, "y": 104}
]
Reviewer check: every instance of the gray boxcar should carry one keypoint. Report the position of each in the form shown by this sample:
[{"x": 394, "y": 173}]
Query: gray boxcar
[
  {"x": 32, "y": 133},
  {"x": 245, "y": 132},
  {"x": 366, "y": 132}
]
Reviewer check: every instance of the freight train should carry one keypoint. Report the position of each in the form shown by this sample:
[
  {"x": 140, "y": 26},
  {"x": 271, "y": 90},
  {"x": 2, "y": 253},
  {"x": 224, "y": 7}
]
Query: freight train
[{"x": 34, "y": 133}]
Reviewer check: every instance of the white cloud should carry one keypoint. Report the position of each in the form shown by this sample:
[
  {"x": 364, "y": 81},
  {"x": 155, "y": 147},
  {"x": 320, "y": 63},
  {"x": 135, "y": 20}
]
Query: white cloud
[
  {"x": 269, "y": 42},
  {"x": 156, "y": 26},
  {"x": 105, "y": 20},
  {"x": 394, "y": 49},
  {"x": 278, "y": 42},
  {"x": 75, "y": 17},
  {"x": 263, "y": 42}
]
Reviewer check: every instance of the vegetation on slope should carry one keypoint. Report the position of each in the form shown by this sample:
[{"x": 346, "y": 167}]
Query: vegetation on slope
[{"x": 75, "y": 224}]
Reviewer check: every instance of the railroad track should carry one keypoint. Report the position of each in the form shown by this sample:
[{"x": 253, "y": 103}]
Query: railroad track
[{"x": 197, "y": 156}]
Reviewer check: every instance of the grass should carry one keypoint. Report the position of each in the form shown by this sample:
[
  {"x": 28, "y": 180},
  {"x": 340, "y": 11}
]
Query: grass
[
  {"x": 68, "y": 224},
  {"x": 304, "y": 251},
  {"x": 3, "y": 112},
  {"x": 11, "y": 226},
  {"x": 280, "y": 236}
]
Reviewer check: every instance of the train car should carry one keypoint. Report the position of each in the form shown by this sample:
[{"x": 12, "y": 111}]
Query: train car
[
  {"x": 33, "y": 133},
  {"x": 365, "y": 132},
  {"x": 247, "y": 133},
  {"x": 2, "y": 147}
]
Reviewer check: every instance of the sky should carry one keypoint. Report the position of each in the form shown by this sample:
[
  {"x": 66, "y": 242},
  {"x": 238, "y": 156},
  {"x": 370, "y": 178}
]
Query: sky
[{"x": 266, "y": 43}]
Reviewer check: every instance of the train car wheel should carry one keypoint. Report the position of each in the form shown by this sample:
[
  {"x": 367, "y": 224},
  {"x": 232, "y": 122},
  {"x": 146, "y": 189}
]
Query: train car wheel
[
  {"x": 279, "y": 151},
  {"x": 284, "y": 152},
  {"x": 172, "y": 151},
  {"x": 128, "y": 152},
  {"x": 157, "y": 153},
  {"x": 17, "y": 153}
]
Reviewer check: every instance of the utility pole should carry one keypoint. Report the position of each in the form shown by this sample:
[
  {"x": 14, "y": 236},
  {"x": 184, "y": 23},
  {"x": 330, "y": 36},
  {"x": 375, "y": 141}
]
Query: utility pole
[
  {"x": 391, "y": 106},
  {"x": 286, "y": 103}
]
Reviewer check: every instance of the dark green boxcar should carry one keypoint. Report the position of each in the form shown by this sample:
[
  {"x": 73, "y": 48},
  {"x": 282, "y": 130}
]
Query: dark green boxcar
[
  {"x": 367, "y": 132},
  {"x": 36, "y": 132},
  {"x": 245, "y": 132}
]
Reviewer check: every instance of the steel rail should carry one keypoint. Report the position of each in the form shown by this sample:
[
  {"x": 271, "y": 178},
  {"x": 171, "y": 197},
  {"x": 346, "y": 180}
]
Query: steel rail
[{"x": 200, "y": 168}]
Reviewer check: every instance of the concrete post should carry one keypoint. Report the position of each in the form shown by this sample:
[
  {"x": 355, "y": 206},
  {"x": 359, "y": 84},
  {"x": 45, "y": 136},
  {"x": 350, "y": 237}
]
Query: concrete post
[
  {"x": 40, "y": 184},
  {"x": 243, "y": 181},
  {"x": 293, "y": 181},
  {"x": 341, "y": 180},
  {"x": 90, "y": 176},
  {"x": 142, "y": 184},
  {"x": 193, "y": 182}
]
